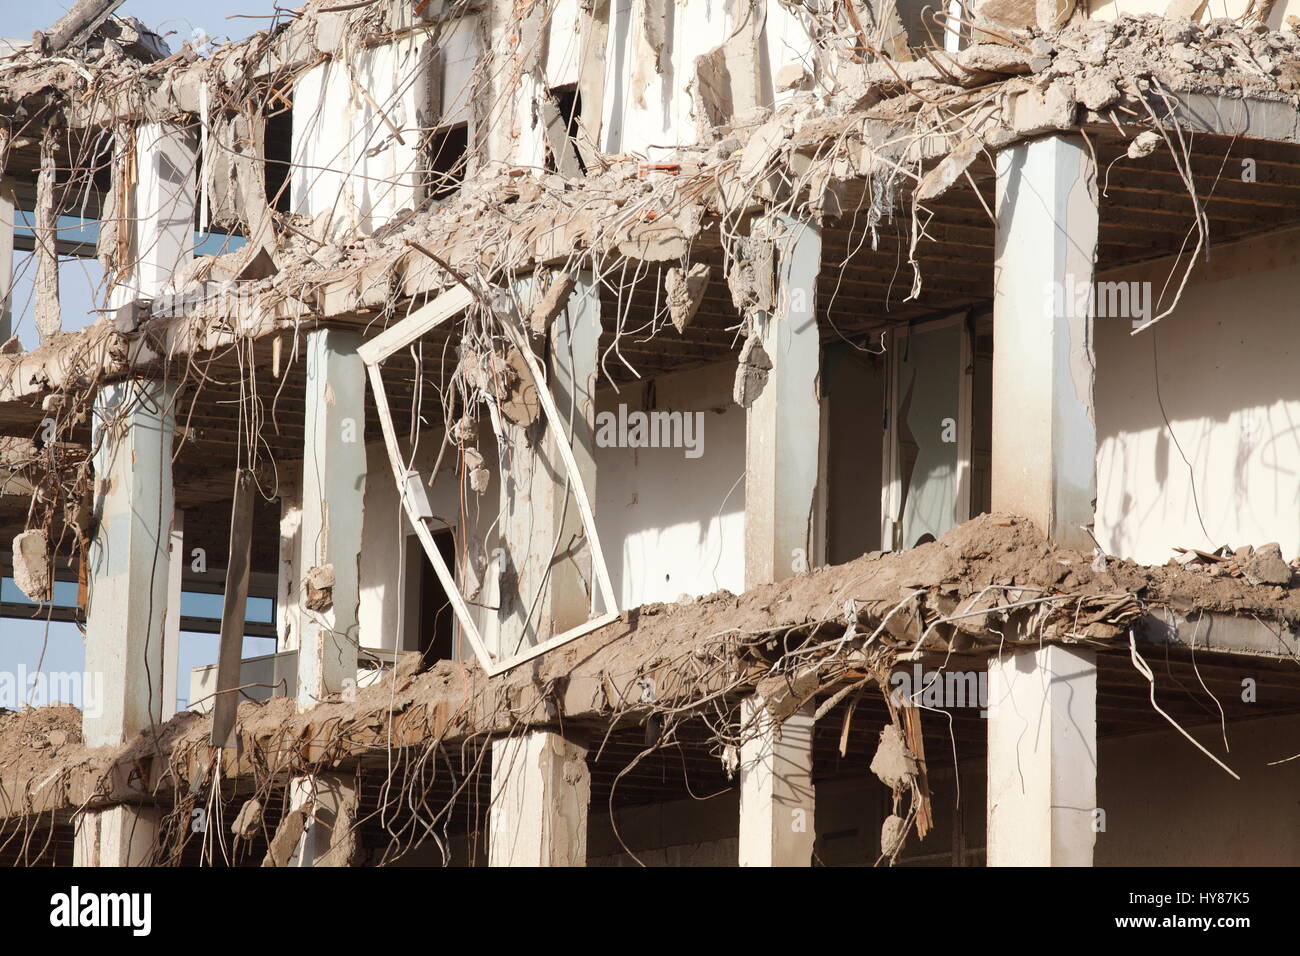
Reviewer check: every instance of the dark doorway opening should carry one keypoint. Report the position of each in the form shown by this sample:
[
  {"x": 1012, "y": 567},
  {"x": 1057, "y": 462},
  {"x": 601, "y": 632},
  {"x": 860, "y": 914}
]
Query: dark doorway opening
[{"x": 433, "y": 624}]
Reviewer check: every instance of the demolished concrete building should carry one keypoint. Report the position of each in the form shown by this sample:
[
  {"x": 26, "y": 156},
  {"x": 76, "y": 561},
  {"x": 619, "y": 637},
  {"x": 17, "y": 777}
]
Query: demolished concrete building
[{"x": 760, "y": 432}]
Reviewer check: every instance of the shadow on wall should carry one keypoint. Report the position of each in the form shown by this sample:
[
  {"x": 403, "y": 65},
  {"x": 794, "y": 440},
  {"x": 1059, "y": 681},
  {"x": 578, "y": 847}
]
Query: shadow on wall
[
  {"x": 1226, "y": 470},
  {"x": 672, "y": 524}
]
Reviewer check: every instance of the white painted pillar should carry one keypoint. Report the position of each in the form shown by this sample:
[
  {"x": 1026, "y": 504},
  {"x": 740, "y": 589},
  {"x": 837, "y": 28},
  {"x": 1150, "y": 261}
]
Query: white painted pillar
[
  {"x": 288, "y": 601},
  {"x": 1042, "y": 757},
  {"x": 165, "y": 196},
  {"x": 540, "y": 790},
  {"x": 777, "y": 798},
  {"x": 129, "y": 601},
  {"x": 783, "y": 424},
  {"x": 6, "y": 259},
  {"x": 117, "y": 836},
  {"x": 129, "y": 559},
  {"x": 172, "y": 626},
  {"x": 545, "y": 543},
  {"x": 1044, "y": 434},
  {"x": 333, "y": 496}
]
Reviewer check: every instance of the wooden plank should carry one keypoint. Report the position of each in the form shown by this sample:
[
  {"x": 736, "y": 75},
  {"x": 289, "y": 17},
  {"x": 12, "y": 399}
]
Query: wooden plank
[{"x": 424, "y": 319}]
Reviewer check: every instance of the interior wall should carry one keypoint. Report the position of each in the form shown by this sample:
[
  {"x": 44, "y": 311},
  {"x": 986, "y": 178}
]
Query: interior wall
[
  {"x": 347, "y": 161},
  {"x": 1206, "y": 818},
  {"x": 1221, "y": 367},
  {"x": 671, "y": 524},
  {"x": 855, "y": 396}
]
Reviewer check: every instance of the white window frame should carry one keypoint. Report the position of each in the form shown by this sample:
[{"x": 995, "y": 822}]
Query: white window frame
[{"x": 445, "y": 307}]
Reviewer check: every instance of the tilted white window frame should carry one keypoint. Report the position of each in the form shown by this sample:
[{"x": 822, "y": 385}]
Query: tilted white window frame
[{"x": 447, "y": 306}]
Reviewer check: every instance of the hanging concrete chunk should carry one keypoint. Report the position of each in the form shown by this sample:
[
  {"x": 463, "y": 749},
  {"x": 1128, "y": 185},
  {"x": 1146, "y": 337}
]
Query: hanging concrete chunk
[
  {"x": 32, "y": 566},
  {"x": 1144, "y": 144},
  {"x": 685, "y": 292},
  {"x": 892, "y": 834},
  {"x": 893, "y": 763},
  {"x": 752, "y": 372},
  {"x": 551, "y": 302},
  {"x": 249, "y": 820},
  {"x": 286, "y": 838}
]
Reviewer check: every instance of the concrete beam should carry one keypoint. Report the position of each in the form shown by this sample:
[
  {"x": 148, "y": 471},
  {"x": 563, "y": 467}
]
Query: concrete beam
[
  {"x": 1044, "y": 432},
  {"x": 129, "y": 558},
  {"x": 540, "y": 790},
  {"x": 783, "y": 423},
  {"x": 1042, "y": 757},
  {"x": 549, "y": 583},
  {"x": 333, "y": 498},
  {"x": 1225, "y": 115},
  {"x": 1221, "y": 634},
  {"x": 777, "y": 798}
]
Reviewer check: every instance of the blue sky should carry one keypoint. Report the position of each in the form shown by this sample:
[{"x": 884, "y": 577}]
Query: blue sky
[
  {"x": 59, "y": 647},
  {"x": 180, "y": 17}
]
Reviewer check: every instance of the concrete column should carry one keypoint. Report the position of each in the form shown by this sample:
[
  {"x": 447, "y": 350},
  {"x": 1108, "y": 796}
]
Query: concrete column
[
  {"x": 129, "y": 562},
  {"x": 540, "y": 790},
  {"x": 288, "y": 600},
  {"x": 546, "y": 547},
  {"x": 165, "y": 197},
  {"x": 118, "y": 836},
  {"x": 1042, "y": 757},
  {"x": 333, "y": 497},
  {"x": 1044, "y": 434},
  {"x": 783, "y": 423},
  {"x": 6, "y": 259},
  {"x": 777, "y": 798},
  {"x": 172, "y": 625}
]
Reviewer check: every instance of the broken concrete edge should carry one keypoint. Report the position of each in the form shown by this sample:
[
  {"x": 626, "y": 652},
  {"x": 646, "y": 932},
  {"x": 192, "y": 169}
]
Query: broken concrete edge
[
  {"x": 210, "y": 316},
  {"x": 988, "y": 583},
  {"x": 168, "y": 88}
]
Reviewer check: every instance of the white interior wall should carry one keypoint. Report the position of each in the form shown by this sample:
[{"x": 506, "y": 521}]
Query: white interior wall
[
  {"x": 645, "y": 109},
  {"x": 564, "y": 46},
  {"x": 669, "y": 525},
  {"x": 1227, "y": 382},
  {"x": 348, "y": 159},
  {"x": 787, "y": 42},
  {"x": 460, "y": 47},
  {"x": 672, "y": 525}
]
